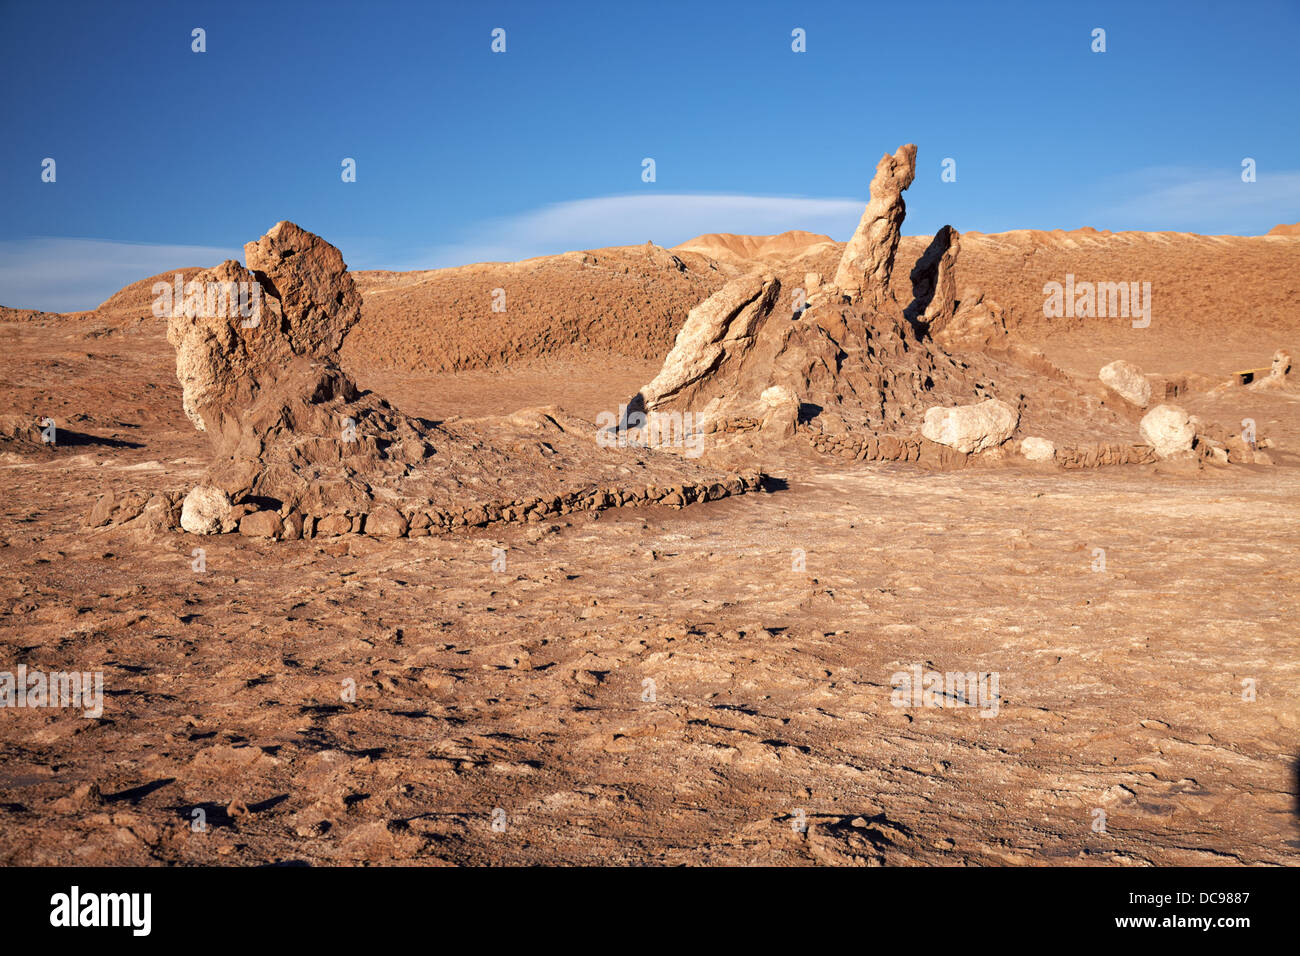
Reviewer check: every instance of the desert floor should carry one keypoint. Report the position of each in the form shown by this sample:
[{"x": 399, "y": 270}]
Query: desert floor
[{"x": 647, "y": 685}]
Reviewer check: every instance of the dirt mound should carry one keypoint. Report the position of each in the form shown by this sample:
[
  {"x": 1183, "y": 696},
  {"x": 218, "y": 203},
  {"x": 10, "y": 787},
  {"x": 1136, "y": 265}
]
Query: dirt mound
[
  {"x": 1285, "y": 229},
  {"x": 627, "y": 303},
  {"x": 1180, "y": 277},
  {"x": 137, "y": 300},
  {"x": 628, "y": 300},
  {"x": 745, "y": 250}
]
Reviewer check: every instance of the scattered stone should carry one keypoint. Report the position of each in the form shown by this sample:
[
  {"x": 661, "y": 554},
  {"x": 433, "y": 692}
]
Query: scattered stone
[
  {"x": 293, "y": 525},
  {"x": 1127, "y": 381},
  {"x": 1168, "y": 429},
  {"x": 162, "y": 514},
  {"x": 206, "y": 510},
  {"x": 385, "y": 521},
  {"x": 331, "y": 525},
  {"x": 110, "y": 509},
  {"x": 262, "y": 524},
  {"x": 971, "y": 428},
  {"x": 1038, "y": 449}
]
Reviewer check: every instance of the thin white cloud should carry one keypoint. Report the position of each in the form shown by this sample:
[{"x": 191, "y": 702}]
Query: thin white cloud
[
  {"x": 663, "y": 218},
  {"x": 64, "y": 275},
  {"x": 69, "y": 275},
  {"x": 1197, "y": 200}
]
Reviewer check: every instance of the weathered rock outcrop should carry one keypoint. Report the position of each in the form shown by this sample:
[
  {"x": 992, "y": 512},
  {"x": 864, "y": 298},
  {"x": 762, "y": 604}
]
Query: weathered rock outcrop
[
  {"x": 300, "y": 450},
  {"x": 868, "y": 261},
  {"x": 855, "y": 371},
  {"x": 716, "y": 332},
  {"x": 934, "y": 282},
  {"x": 977, "y": 322},
  {"x": 236, "y": 329}
]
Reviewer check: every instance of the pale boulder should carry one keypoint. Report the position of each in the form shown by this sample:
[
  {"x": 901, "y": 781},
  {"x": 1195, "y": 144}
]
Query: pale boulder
[
  {"x": 971, "y": 428},
  {"x": 782, "y": 415},
  {"x": 206, "y": 510},
  {"x": 1038, "y": 449},
  {"x": 1127, "y": 381},
  {"x": 1168, "y": 429}
]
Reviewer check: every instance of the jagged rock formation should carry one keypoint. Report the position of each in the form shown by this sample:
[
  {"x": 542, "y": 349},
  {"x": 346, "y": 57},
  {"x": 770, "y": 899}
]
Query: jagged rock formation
[
  {"x": 868, "y": 260},
  {"x": 300, "y": 450},
  {"x": 716, "y": 333},
  {"x": 976, "y": 323},
  {"x": 238, "y": 328},
  {"x": 934, "y": 283},
  {"x": 857, "y": 371},
  {"x": 832, "y": 359}
]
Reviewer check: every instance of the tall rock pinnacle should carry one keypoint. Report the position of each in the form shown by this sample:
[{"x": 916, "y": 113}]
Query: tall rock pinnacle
[{"x": 868, "y": 259}]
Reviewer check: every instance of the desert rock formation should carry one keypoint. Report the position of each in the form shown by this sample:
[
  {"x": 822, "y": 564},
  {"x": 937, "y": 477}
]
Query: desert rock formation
[
  {"x": 856, "y": 371},
  {"x": 934, "y": 283},
  {"x": 300, "y": 450},
  {"x": 868, "y": 260},
  {"x": 524, "y": 689}
]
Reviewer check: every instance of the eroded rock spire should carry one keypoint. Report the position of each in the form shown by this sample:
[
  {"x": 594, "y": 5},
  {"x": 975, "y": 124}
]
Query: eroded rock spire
[{"x": 868, "y": 259}]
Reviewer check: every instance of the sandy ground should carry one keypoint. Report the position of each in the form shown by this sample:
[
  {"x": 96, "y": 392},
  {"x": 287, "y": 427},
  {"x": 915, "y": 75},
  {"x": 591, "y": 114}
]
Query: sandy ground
[{"x": 653, "y": 686}]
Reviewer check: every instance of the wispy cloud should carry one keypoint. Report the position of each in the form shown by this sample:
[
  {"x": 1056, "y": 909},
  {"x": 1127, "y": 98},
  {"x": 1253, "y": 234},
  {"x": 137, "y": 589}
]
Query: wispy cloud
[
  {"x": 65, "y": 275},
  {"x": 664, "y": 218},
  {"x": 68, "y": 275},
  {"x": 1198, "y": 200}
]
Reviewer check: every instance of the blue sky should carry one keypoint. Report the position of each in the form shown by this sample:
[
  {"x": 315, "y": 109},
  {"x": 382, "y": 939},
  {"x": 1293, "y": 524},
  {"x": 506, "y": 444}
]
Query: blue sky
[{"x": 166, "y": 157}]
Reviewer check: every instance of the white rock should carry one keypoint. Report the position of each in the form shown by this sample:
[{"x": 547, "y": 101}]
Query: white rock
[
  {"x": 1168, "y": 429},
  {"x": 782, "y": 415},
  {"x": 971, "y": 428},
  {"x": 778, "y": 395},
  {"x": 1127, "y": 381},
  {"x": 206, "y": 510},
  {"x": 1038, "y": 449}
]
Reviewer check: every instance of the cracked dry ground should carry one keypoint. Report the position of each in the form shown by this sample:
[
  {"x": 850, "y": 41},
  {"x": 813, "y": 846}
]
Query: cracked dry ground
[{"x": 523, "y": 690}]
